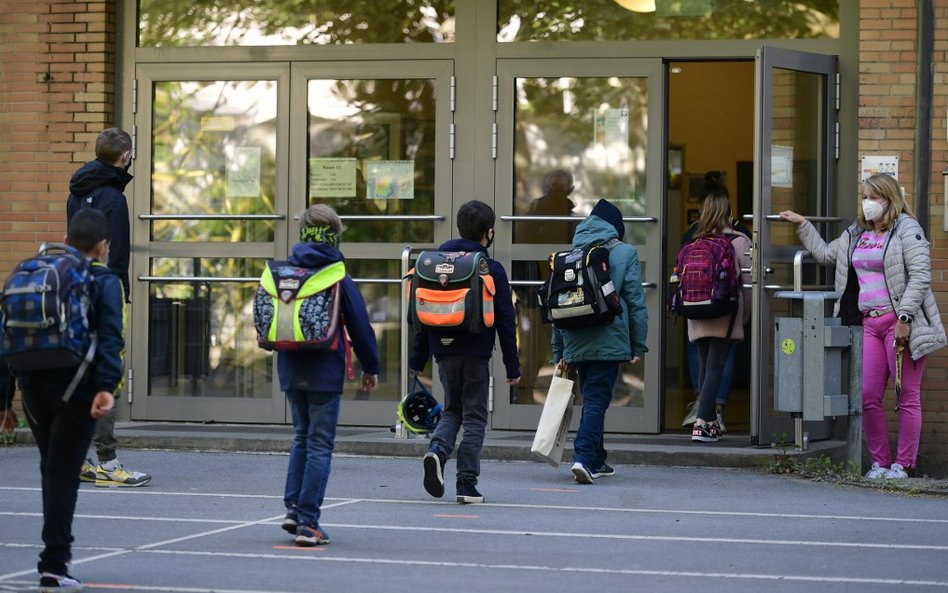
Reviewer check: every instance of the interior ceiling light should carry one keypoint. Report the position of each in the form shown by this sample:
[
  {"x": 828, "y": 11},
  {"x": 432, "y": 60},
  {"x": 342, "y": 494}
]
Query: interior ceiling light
[{"x": 637, "y": 5}]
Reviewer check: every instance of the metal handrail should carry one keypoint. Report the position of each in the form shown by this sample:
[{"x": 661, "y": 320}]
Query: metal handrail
[
  {"x": 508, "y": 217},
  {"x": 810, "y": 218},
  {"x": 541, "y": 283},
  {"x": 403, "y": 307},
  {"x": 394, "y": 217},
  {"x": 212, "y": 216},
  {"x": 238, "y": 279}
]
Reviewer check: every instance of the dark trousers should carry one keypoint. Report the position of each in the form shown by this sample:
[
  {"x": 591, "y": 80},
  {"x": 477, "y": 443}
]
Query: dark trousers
[
  {"x": 712, "y": 354},
  {"x": 466, "y": 381},
  {"x": 597, "y": 379},
  {"x": 63, "y": 432}
]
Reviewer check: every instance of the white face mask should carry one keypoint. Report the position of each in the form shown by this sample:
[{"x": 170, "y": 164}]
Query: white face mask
[{"x": 872, "y": 210}]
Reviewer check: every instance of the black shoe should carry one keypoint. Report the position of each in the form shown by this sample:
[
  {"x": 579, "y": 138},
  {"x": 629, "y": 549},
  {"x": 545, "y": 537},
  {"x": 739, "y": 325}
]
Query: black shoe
[
  {"x": 468, "y": 494},
  {"x": 290, "y": 522},
  {"x": 60, "y": 583},
  {"x": 705, "y": 433},
  {"x": 434, "y": 474}
]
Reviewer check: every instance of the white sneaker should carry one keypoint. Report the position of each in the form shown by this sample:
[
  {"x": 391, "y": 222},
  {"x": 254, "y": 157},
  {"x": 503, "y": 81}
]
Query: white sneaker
[
  {"x": 692, "y": 414},
  {"x": 896, "y": 472},
  {"x": 877, "y": 472}
]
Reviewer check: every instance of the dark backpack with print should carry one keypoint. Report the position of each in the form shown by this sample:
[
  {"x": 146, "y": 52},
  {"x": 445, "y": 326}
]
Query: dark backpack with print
[{"x": 579, "y": 292}]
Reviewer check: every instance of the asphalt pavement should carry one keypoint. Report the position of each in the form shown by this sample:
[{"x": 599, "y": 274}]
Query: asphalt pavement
[{"x": 210, "y": 521}]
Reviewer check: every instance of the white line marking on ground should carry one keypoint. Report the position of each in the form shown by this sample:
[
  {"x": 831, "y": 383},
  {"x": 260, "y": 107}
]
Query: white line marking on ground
[
  {"x": 555, "y": 569},
  {"x": 144, "y": 491}
]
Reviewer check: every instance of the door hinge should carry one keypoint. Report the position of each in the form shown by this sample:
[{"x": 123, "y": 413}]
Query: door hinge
[
  {"x": 494, "y": 94},
  {"x": 490, "y": 394},
  {"x": 128, "y": 387},
  {"x": 837, "y": 91},
  {"x": 836, "y": 141},
  {"x": 451, "y": 137},
  {"x": 493, "y": 141},
  {"x": 451, "y": 102},
  {"x": 134, "y": 141},
  {"x": 135, "y": 95}
]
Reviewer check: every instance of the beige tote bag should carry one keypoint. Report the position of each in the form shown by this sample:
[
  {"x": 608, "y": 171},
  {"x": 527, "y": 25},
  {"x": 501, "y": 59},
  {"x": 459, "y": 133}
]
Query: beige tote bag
[{"x": 554, "y": 421}]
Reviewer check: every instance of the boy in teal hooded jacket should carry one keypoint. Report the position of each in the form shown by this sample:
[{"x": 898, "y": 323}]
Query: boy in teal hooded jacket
[{"x": 597, "y": 352}]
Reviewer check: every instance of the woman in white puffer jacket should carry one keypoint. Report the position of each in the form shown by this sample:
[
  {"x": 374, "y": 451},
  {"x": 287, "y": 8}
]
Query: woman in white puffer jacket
[{"x": 883, "y": 271}]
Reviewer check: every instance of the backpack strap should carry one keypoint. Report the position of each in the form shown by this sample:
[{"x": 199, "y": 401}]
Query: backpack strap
[{"x": 81, "y": 371}]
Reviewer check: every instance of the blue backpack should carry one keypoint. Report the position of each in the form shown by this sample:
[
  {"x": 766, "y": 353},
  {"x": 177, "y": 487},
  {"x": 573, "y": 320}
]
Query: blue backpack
[{"x": 44, "y": 313}]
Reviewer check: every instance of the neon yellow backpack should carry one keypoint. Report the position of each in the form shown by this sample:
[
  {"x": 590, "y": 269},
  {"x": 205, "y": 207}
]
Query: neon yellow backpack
[{"x": 299, "y": 308}]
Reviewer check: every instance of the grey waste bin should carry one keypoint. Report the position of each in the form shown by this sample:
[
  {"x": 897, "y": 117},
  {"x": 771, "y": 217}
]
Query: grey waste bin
[{"x": 818, "y": 366}]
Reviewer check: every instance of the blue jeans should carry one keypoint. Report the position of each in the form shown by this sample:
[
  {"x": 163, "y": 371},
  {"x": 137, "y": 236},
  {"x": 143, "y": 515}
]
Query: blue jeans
[
  {"x": 596, "y": 381},
  {"x": 315, "y": 414},
  {"x": 466, "y": 381},
  {"x": 63, "y": 432},
  {"x": 727, "y": 375}
]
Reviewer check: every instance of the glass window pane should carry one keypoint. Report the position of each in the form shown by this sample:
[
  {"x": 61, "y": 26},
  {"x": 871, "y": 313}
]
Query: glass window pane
[
  {"x": 593, "y": 131},
  {"x": 185, "y": 23},
  {"x": 202, "y": 342},
  {"x": 382, "y": 301},
  {"x": 796, "y": 148},
  {"x": 372, "y": 152},
  {"x": 214, "y": 153},
  {"x": 622, "y": 20}
]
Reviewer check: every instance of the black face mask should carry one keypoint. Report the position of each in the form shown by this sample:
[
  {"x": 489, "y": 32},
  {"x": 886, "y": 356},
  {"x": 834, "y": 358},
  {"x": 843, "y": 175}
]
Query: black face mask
[{"x": 490, "y": 238}]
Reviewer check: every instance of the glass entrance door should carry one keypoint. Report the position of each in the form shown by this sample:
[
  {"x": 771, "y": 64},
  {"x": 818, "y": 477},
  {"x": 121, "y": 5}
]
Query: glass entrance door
[
  {"x": 233, "y": 155},
  {"x": 570, "y": 132},
  {"x": 795, "y": 155}
]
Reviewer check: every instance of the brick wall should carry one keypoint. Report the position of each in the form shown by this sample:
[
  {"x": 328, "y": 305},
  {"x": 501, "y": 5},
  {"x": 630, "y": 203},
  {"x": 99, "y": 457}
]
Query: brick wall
[
  {"x": 57, "y": 72},
  {"x": 887, "y": 126}
]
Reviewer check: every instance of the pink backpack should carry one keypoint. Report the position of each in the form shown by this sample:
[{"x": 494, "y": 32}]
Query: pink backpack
[{"x": 707, "y": 282}]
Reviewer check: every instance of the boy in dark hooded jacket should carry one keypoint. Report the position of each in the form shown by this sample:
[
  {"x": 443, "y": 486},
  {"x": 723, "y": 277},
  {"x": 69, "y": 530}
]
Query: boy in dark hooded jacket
[
  {"x": 99, "y": 184},
  {"x": 597, "y": 352},
  {"x": 464, "y": 365},
  {"x": 313, "y": 380},
  {"x": 63, "y": 429}
]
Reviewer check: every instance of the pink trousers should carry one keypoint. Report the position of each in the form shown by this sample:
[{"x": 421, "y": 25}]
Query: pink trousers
[{"x": 878, "y": 366}]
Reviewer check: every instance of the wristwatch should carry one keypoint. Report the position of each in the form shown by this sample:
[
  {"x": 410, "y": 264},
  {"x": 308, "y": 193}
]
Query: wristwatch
[{"x": 904, "y": 318}]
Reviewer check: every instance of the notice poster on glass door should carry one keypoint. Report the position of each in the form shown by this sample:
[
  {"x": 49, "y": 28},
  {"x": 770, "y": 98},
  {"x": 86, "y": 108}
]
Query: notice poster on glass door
[{"x": 390, "y": 180}]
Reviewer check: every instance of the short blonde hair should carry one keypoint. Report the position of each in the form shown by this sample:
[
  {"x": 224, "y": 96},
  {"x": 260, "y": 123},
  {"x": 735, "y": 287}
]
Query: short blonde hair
[{"x": 321, "y": 215}]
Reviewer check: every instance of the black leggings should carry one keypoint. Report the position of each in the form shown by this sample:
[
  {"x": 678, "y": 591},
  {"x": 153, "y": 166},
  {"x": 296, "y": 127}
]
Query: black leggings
[{"x": 712, "y": 354}]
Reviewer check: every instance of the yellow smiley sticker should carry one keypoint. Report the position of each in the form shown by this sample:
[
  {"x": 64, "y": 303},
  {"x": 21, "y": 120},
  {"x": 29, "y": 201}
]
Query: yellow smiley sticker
[{"x": 788, "y": 346}]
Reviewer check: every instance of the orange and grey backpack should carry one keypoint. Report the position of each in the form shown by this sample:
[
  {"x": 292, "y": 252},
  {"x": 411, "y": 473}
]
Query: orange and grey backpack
[{"x": 451, "y": 290}]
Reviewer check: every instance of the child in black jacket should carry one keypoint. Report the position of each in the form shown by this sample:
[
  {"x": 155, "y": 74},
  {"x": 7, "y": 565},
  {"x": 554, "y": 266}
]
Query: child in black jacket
[
  {"x": 63, "y": 429},
  {"x": 464, "y": 366}
]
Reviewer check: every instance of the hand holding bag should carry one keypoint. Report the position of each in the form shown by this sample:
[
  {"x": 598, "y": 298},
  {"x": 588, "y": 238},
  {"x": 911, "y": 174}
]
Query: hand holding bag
[{"x": 554, "y": 420}]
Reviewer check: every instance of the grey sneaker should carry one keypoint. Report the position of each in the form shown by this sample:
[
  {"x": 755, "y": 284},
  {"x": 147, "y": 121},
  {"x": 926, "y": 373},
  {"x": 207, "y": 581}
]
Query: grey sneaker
[
  {"x": 58, "y": 583},
  {"x": 307, "y": 536},
  {"x": 119, "y": 477},
  {"x": 721, "y": 427},
  {"x": 290, "y": 522}
]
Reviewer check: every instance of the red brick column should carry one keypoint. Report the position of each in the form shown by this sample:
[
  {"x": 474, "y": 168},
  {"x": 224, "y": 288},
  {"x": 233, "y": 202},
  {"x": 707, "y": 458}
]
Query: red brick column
[
  {"x": 888, "y": 31},
  {"x": 57, "y": 73}
]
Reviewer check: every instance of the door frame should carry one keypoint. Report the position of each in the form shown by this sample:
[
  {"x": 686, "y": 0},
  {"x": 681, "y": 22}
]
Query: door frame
[
  {"x": 645, "y": 419},
  {"x": 764, "y": 424}
]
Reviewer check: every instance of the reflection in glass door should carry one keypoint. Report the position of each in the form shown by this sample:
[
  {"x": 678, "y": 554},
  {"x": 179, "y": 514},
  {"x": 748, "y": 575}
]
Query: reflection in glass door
[
  {"x": 375, "y": 148},
  {"x": 795, "y": 158},
  {"x": 571, "y": 133},
  {"x": 210, "y": 218},
  {"x": 228, "y": 179}
]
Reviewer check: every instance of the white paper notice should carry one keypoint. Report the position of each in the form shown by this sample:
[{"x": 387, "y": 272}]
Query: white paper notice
[
  {"x": 390, "y": 180},
  {"x": 243, "y": 173},
  {"x": 873, "y": 165},
  {"x": 332, "y": 178},
  {"x": 781, "y": 166}
]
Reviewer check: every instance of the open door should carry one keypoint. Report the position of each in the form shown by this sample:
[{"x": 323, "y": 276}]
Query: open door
[{"x": 795, "y": 156}]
